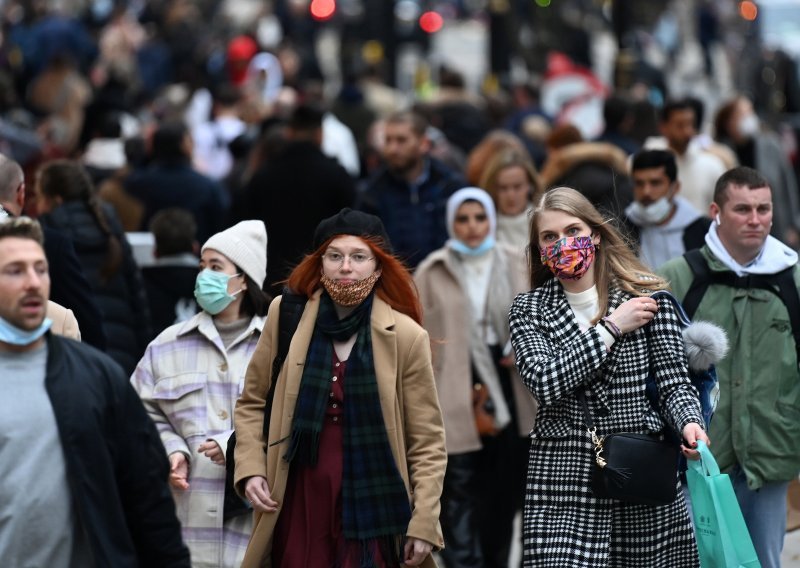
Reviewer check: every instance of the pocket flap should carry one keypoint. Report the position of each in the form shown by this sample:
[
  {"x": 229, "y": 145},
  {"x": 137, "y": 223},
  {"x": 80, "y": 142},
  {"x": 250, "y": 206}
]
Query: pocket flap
[{"x": 177, "y": 386}]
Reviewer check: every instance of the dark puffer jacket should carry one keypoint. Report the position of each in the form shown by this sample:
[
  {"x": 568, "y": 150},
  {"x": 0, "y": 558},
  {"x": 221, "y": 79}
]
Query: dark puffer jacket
[{"x": 121, "y": 297}]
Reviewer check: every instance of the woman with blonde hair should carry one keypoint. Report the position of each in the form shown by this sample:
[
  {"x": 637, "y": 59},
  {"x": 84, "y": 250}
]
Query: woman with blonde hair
[
  {"x": 351, "y": 471},
  {"x": 511, "y": 180},
  {"x": 590, "y": 330}
]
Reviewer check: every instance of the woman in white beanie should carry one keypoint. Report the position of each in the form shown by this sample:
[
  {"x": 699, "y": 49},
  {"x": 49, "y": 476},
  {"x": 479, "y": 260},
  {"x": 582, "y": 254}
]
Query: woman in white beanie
[
  {"x": 466, "y": 289},
  {"x": 189, "y": 380}
]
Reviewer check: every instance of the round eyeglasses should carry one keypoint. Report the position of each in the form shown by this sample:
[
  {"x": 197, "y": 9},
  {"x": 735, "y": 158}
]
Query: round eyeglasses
[{"x": 336, "y": 259}]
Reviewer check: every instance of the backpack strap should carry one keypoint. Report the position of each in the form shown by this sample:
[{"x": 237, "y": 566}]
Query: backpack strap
[
  {"x": 291, "y": 309},
  {"x": 784, "y": 281},
  {"x": 702, "y": 279},
  {"x": 788, "y": 293}
]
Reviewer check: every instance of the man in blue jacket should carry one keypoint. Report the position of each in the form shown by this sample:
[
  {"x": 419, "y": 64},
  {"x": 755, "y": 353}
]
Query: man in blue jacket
[
  {"x": 410, "y": 193},
  {"x": 84, "y": 472}
]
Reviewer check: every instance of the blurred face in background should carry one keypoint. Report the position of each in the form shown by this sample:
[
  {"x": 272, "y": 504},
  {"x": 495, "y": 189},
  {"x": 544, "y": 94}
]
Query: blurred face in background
[
  {"x": 744, "y": 123},
  {"x": 471, "y": 224},
  {"x": 651, "y": 184},
  {"x": 679, "y": 129},
  {"x": 513, "y": 190},
  {"x": 403, "y": 149}
]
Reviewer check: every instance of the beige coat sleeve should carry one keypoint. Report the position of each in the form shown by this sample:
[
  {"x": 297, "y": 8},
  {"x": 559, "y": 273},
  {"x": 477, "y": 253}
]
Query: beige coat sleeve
[
  {"x": 64, "y": 321},
  {"x": 250, "y": 457},
  {"x": 425, "y": 442}
]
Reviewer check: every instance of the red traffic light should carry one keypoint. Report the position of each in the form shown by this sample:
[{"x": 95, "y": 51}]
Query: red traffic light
[
  {"x": 431, "y": 22},
  {"x": 322, "y": 10}
]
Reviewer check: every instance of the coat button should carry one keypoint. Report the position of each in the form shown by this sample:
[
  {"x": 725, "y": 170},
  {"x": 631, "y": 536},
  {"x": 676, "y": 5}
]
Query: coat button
[
  {"x": 334, "y": 405},
  {"x": 336, "y": 419},
  {"x": 223, "y": 415},
  {"x": 334, "y": 379},
  {"x": 223, "y": 367}
]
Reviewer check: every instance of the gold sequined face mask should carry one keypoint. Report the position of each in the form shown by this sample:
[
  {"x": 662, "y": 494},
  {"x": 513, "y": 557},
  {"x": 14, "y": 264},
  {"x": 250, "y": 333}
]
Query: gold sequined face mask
[{"x": 352, "y": 293}]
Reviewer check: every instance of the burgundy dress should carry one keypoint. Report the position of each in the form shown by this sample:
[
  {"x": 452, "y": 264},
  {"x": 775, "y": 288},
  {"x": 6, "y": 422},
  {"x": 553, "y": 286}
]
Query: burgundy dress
[{"x": 309, "y": 531}]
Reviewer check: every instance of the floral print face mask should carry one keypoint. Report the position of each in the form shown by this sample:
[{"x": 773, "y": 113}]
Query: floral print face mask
[{"x": 569, "y": 258}]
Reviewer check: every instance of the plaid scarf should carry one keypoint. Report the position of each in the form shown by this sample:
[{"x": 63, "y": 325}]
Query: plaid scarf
[{"x": 375, "y": 508}]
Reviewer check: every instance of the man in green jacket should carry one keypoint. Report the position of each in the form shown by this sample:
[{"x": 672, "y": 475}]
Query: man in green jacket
[{"x": 756, "y": 427}]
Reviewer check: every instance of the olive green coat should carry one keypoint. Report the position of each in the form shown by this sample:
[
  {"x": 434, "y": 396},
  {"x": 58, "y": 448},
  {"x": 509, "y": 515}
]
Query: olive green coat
[{"x": 757, "y": 421}]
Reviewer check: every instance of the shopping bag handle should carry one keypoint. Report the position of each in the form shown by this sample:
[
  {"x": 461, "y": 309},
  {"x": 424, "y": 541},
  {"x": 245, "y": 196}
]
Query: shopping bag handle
[{"x": 706, "y": 465}]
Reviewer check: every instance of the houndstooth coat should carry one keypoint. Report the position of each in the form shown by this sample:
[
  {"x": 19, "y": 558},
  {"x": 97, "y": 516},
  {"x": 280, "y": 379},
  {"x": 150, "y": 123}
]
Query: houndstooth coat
[{"x": 563, "y": 523}]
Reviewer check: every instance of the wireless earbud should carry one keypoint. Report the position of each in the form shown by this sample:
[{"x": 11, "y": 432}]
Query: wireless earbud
[{"x": 717, "y": 220}]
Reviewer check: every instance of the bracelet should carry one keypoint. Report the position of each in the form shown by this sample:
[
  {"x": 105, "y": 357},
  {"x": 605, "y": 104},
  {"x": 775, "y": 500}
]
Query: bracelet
[{"x": 612, "y": 328}]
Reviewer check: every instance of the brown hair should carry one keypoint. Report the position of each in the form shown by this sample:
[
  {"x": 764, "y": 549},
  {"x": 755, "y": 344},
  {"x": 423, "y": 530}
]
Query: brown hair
[
  {"x": 509, "y": 159},
  {"x": 22, "y": 228},
  {"x": 722, "y": 118},
  {"x": 563, "y": 135},
  {"x": 615, "y": 263},
  {"x": 395, "y": 286},
  {"x": 742, "y": 176},
  {"x": 69, "y": 181},
  {"x": 487, "y": 149},
  {"x": 417, "y": 122}
]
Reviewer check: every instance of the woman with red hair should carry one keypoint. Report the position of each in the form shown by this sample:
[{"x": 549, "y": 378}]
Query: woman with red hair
[{"x": 352, "y": 469}]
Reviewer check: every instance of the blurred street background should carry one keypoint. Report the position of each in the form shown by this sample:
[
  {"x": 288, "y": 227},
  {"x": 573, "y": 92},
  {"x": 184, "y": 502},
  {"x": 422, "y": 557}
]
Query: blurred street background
[{"x": 526, "y": 66}]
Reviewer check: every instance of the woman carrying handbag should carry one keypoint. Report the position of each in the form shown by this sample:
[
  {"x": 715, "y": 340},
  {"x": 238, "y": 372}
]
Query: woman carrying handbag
[{"x": 589, "y": 329}]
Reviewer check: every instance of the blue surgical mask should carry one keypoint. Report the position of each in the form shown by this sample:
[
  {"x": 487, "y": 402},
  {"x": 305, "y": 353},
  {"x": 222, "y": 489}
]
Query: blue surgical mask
[
  {"x": 487, "y": 244},
  {"x": 211, "y": 291},
  {"x": 13, "y": 335}
]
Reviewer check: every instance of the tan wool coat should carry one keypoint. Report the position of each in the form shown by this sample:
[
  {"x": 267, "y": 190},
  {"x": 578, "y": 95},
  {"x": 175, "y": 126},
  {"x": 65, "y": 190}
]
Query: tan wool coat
[
  {"x": 447, "y": 318},
  {"x": 402, "y": 356},
  {"x": 64, "y": 322}
]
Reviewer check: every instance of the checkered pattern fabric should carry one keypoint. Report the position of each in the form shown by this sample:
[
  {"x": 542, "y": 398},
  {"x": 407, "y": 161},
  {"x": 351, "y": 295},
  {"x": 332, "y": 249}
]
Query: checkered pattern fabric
[{"x": 564, "y": 524}]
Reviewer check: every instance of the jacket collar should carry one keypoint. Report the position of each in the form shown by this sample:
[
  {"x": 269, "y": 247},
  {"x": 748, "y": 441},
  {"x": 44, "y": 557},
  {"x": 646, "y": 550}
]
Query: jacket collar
[
  {"x": 555, "y": 301},
  {"x": 203, "y": 323},
  {"x": 382, "y": 317}
]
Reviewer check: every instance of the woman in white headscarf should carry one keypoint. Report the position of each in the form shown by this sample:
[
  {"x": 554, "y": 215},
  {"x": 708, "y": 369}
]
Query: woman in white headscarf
[{"x": 466, "y": 288}]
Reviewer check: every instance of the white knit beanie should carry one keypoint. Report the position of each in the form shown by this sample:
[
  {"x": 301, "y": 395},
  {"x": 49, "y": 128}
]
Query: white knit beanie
[{"x": 245, "y": 245}]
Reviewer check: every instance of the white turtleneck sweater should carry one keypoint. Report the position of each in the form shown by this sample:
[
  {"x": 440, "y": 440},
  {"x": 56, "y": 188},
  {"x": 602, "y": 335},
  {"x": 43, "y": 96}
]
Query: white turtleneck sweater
[{"x": 585, "y": 306}]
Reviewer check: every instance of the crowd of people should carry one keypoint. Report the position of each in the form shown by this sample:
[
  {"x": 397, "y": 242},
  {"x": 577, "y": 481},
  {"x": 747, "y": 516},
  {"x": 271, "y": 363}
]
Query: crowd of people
[{"x": 371, "y": 321}]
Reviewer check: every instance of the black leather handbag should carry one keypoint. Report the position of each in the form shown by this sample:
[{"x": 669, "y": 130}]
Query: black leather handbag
[{"x": 635, "y": 468}]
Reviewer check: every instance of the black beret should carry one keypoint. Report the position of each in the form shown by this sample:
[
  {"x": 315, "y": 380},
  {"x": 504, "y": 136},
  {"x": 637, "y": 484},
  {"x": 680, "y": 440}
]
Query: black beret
[{"x": 350, "y": 222}]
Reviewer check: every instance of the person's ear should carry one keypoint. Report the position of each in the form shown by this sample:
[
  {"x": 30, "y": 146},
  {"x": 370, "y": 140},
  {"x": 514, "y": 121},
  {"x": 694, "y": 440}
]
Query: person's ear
[
  {"x": 19, "y": 198},
  {"x": 713, "y": 211},
  {"x": 677, "y": 188}
]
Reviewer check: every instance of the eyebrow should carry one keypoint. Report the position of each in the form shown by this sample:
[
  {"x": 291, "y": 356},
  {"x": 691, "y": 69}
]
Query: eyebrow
[{"x": 570, "y": 226}]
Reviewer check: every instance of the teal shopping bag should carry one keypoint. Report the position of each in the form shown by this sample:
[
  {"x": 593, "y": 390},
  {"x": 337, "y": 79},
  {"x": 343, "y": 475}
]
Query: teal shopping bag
[{"x": 722, "y": 537}]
